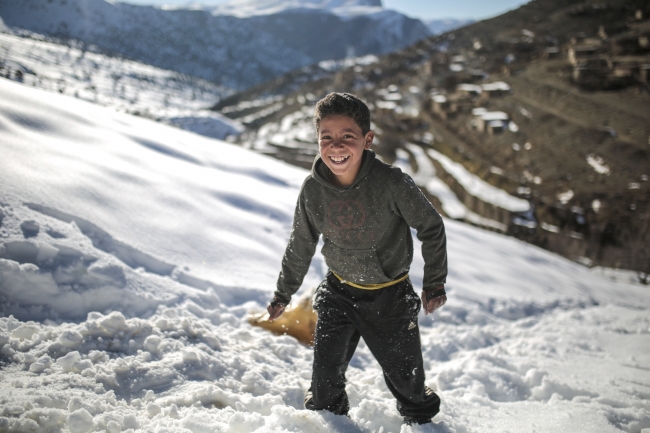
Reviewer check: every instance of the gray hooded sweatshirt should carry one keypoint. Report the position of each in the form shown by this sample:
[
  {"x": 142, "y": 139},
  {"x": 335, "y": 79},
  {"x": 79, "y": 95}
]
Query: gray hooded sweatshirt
[{"x": 365, "y": 228}]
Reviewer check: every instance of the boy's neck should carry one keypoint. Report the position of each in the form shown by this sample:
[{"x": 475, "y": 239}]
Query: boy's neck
[{"x": 342, "y": 181}]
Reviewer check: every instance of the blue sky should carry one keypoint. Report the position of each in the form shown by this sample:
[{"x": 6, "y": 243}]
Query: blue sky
[{"x": 423, "y": 9}]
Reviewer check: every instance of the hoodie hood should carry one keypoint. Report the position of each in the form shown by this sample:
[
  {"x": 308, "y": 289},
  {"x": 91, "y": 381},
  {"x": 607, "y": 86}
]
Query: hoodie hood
[{"x": 320, "y": 171}]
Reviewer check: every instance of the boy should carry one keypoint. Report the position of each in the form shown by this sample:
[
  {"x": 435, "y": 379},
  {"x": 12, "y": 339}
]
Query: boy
[{"x": 364, "y": 209}]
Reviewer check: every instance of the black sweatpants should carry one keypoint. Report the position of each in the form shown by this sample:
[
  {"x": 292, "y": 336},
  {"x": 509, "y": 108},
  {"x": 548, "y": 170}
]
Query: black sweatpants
[{"x": 387, "y": 320}]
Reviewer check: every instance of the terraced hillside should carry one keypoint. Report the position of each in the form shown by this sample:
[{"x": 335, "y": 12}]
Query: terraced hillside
[{"x": 548, "y": 104}]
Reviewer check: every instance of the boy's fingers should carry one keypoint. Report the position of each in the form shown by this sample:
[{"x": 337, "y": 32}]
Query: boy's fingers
[
  {"x": 275, "y": 312},
  {"x": 439, "y": 302},
  {"x": 275, "y": 308},
  {"x": 433, "y": 304}
]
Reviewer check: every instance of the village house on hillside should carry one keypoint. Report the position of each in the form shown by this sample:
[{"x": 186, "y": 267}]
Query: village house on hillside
[
  {"x": 444, "y": 107},
  {"x": 551, "y": 53},
  {"x": 490, "y": 122},
  {"x": 469, "y": 95},
  {"x": 495, "y": 90},
  {"x": 602, "y": 62}
]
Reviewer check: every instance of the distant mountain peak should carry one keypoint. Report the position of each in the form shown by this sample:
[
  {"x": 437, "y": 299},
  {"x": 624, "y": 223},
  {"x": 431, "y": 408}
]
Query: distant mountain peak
[
  {"x": 438, "y": 26},
  {"x": 321, "y": 4},
  {"x": 248, "y": 8}
]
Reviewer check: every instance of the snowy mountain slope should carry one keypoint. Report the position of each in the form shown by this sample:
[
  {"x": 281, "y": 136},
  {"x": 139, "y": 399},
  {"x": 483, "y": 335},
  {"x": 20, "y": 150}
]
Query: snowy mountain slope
[
  {"x": 128, "y": 86},
  {"x": 234, "y": 52},
  {"x": 132, "y": 253},
  {"x": 216, "y": 48},
  {"x": 135, "y": 146}
]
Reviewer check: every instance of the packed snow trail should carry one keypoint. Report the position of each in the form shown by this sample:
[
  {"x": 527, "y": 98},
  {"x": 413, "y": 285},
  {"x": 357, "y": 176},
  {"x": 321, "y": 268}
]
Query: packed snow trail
[{"x": 131, "y": 254}]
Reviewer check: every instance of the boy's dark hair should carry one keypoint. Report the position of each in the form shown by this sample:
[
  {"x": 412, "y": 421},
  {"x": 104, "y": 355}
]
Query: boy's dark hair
[{"x": 343, "y": 104}]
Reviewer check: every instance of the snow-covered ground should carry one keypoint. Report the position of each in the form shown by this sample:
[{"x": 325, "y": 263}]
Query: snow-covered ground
[
  {"x": 295, "y": 130},
  {"x": 133, "y": 253},
  {"x": 425, "y": 177},
  {"x": 478, "y": 187},
  {"x": 123, "y": 84}
]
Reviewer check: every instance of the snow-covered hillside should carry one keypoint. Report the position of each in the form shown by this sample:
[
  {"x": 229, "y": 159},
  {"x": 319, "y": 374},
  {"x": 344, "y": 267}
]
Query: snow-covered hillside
[
  {"x": 132, "y": 253},
  {"x": 128, "y": 86},
  {"x": 234, "y": 51}
]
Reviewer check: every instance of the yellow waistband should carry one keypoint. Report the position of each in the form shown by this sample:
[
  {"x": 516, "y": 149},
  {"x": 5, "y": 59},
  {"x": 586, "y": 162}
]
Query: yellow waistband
[{"x": 372, "y": 286}]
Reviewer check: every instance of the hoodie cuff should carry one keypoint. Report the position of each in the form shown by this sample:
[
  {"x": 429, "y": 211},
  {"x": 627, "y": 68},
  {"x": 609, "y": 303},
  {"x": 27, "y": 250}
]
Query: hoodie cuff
[
  {"x": 435, "y": 291},
  {"x": 281, "y": 298}
]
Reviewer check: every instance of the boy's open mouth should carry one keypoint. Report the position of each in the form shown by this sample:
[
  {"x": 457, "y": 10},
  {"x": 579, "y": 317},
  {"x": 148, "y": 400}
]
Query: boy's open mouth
[{"x": 338, "y": 159}]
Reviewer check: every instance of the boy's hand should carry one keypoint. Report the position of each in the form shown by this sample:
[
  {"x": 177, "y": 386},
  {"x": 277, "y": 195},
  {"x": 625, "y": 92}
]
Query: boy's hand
[
  {"x": 433, "y": 299},
  {"x": 276, "y": 308}
]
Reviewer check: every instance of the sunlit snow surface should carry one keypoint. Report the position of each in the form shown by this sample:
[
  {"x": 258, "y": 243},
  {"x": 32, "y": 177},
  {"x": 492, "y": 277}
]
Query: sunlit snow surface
[
  {"x": 451, "y": 205},
  {"x": 126, "y": 85},
  {"x": 478, "y": 187},
  {"x": 133, "y": 252}
]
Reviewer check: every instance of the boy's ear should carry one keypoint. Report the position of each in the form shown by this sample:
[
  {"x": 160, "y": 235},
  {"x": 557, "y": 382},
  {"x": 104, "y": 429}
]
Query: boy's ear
[{"x": 369, "y": 137}]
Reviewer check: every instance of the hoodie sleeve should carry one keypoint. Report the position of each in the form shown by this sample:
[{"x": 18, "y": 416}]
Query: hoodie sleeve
[
  {"x": 299, "y": 252},
  {"x": 419, "y": 213}
]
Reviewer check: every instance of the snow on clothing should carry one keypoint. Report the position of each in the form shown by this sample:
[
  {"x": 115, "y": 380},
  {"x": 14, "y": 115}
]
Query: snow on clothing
[
  {"x": 387, "y": 319},
  {"x": 365, "y": 228}
]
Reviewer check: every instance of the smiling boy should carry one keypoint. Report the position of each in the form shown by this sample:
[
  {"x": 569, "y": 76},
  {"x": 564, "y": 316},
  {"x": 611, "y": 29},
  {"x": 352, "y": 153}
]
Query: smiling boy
[{"x": 364, "y": 209}]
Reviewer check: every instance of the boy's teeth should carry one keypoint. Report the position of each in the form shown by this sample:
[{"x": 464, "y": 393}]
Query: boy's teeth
[{"x": 338, "y": 158}]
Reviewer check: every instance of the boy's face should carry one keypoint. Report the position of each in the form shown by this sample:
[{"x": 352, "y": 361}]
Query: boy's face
[{"x": 341, "y": 144}]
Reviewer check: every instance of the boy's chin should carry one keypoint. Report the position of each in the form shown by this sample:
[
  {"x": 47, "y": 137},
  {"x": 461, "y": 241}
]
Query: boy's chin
[
  {"x": 339, "y": 167},
  {"x": 339, "y": 170}
]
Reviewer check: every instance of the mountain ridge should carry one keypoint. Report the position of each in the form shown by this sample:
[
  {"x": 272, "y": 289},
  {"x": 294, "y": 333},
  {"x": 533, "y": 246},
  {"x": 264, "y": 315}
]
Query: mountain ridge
[
  {"x": 250, "y": 8},
  {"x": 230, "y": 51},
  {"x": 438, "y": 26}
]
